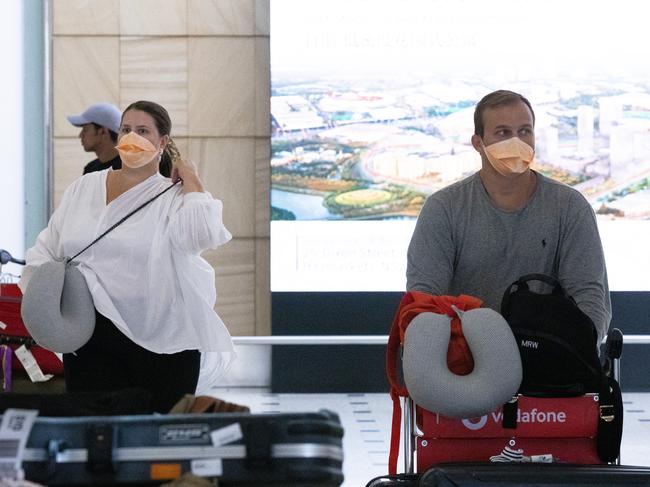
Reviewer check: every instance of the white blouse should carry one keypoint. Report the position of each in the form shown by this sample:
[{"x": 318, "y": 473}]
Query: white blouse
[{"x": 147, "y": 275}]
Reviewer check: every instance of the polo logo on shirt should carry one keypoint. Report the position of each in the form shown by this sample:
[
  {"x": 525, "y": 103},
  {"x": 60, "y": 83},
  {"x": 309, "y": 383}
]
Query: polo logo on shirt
[{"x": 543, "y": 242}]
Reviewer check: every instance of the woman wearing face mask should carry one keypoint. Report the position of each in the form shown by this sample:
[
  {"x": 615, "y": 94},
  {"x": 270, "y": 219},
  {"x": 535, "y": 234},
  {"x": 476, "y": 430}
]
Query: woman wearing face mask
[{"x": 153, "y": 293}]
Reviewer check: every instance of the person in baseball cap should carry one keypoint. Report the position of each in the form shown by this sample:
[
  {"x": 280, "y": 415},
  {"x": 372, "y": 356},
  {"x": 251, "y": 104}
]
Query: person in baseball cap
[{"x": 100, "y": 124}]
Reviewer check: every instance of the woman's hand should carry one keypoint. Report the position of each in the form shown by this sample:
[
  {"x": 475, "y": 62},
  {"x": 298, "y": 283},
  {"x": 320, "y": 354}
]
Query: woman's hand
[{"x": 186, "y": 171}]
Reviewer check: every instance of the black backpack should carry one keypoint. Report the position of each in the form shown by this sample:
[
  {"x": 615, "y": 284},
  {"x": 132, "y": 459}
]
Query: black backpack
[
  {"x": 558, "y": 344},
  {"x": 557, "y": 341}
]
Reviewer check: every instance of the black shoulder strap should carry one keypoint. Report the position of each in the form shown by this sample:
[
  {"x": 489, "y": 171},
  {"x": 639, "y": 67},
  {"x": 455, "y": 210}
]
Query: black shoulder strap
[
  {"x": 610, "y": 419},
  {"x": 127, "y": 216}
]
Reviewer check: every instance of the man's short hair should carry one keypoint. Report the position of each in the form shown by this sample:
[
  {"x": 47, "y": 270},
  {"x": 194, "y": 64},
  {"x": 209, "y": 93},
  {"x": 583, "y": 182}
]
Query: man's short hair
[
  {"x": 110, "y": 132},
  {"x": 497, "y": 99}
]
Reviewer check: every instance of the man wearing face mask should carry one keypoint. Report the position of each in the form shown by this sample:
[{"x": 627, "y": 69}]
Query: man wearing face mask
[{"x": 480, "y": 234}]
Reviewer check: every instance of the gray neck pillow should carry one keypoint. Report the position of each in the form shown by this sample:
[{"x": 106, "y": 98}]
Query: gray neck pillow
[
  {"x": 497, "y": 370},
  {"x": 57, "y": 307}
]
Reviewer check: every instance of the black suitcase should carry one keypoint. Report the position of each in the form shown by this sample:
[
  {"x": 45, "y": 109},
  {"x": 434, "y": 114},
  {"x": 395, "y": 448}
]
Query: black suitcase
[
  {"x": 123, "y": 402},
  {"x": 527, "y": 474},
  {"x": 236, "y": 448},
  {"x": 398, "y": 480},
  {"x": 521, "y": 474}
]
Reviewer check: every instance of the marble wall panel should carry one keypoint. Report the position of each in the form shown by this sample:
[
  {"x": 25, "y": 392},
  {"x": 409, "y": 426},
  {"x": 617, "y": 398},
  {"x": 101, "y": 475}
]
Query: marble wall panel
[
  {"x": 262, "y": 187},
  {"x": 221, "y": 17},
  {"x": 262, "y": 286},
  {"x": 262, "y": 17},
  {"x": 221, "y": 86},
  {"x": 86, "y": 17},
  {"x": 69, "y": 161},
  {"x": 85, "y": 71},
  {"x": 234, "y": 265},
  {"x": 155, "y": 69},
  {"x": 153, "y": 17},
  {"x": 227, "y": 166},
  {"x": 262, "y": 87}
]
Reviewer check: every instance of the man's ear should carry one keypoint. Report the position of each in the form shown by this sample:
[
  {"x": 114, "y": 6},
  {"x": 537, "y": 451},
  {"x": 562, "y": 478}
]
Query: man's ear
[{"x": 477, "y": 143}]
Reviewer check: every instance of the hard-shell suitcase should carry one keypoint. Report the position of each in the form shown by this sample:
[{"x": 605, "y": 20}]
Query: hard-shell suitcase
[
  {"x": 122, "y": 402},
  {"x": 521, "y": 474},
  {"x": 547, "y": 475},
  {"x": 290, "y": 449},
  {"x": 397, "y": 480}
]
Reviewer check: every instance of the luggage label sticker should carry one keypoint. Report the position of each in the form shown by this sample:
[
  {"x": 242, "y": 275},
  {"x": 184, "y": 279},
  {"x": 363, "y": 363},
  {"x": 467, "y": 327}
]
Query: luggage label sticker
[
  {"x": 31, "y": 366},
  {"x": 14, "y": 430},
  {"x": 207, "y": 467},
  {"x": 227, "y": 434}
]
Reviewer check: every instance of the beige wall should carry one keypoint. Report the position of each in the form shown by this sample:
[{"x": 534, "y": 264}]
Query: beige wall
[{"x": 207, "y": 62}]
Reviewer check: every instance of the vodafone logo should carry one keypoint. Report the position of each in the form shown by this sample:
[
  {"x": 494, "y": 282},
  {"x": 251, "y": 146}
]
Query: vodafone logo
[
  {"x": 532, "y": 416},
  {"x": 470, "y": 425}
]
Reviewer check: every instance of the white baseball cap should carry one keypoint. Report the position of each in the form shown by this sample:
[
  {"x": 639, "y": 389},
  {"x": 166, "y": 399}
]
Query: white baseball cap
[{"x": 103, "y": 114}]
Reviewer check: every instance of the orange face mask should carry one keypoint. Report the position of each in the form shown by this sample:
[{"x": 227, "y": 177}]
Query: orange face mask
[
  {"x": 136, "y": 151},
  {"x": 510, "y": 156}
]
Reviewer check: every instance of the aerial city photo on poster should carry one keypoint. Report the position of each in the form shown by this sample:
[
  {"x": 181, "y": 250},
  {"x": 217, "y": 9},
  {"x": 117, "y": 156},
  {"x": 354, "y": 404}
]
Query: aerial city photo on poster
[
  {"x": 372, "y": 105},
  {"x": 355, "y": 140}
]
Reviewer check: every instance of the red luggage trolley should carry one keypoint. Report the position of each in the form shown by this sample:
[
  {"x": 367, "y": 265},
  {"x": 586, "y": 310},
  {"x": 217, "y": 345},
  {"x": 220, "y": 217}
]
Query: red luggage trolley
[
  {"x": 441, "y": 451},
  {"x": 13, "y": 333},
  {"x": 549, "y": 429}
]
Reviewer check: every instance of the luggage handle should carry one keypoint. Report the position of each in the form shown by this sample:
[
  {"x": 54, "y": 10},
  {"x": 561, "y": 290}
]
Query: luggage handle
[
  {"x": 54, "y": 447},
  {"x": 6, "y": 257},
  {"x": 522, "y": 284},
  {"x": 258, "y": 439},
  {"x": 614, "y": 344},
  {"x": 303, "y": 427},
  {"x": 15, "y": 340},
  {"x": 545, "y": 278},
  {"x": 100, "y": 448}
]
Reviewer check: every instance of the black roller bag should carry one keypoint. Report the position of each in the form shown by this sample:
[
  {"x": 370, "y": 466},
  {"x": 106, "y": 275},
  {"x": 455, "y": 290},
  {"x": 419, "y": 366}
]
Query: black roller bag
[
  {"x": 237, "y": 449},
  {"x": 525, "y": 474},
  {"x": 397, "y": 480},
  {"x": 521, "y": 474}
]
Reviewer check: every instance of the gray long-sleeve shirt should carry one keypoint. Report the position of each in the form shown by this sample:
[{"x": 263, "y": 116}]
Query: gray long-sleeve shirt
[{"x": 464, "y": 244}]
